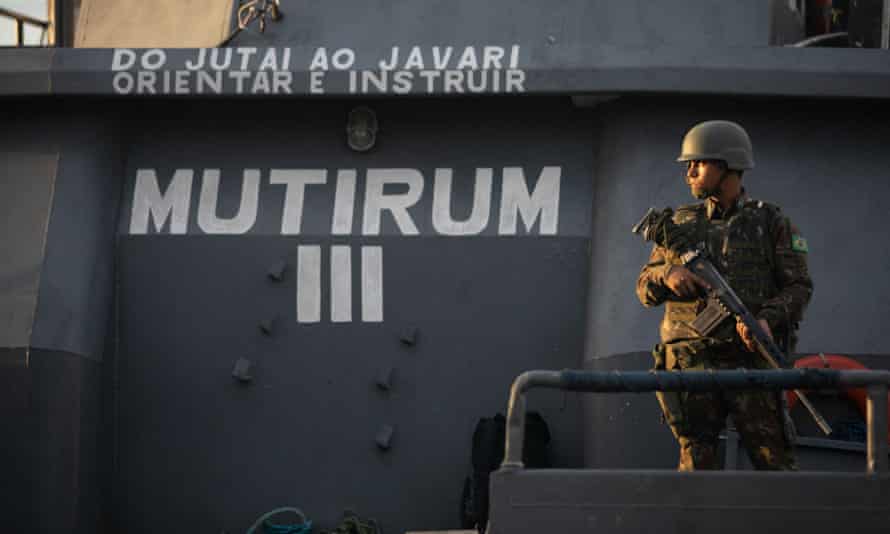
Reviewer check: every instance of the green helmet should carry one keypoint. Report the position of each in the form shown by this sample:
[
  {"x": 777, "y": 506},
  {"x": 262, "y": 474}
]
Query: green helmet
[{"x": 722, "y": 140}]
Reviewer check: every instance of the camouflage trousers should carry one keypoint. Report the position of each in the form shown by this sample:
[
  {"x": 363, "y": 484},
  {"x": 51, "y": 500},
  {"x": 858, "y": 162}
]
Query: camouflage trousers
[{"x": 697, "y": 418}]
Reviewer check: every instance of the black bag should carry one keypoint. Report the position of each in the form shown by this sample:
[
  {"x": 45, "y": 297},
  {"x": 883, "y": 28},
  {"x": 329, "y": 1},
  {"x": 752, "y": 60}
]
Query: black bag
[{"x": 488, "y": 453}]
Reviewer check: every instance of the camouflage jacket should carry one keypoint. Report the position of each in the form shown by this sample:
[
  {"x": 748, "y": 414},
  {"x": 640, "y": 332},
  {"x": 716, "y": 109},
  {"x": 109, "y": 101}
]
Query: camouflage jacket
[{"x": 759, "y": 252}]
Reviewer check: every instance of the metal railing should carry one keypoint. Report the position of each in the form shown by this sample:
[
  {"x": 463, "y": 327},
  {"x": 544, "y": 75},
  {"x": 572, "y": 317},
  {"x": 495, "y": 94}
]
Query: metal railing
[
  {"x": 876, "y": 382},
  {"x": 20, "y": 21}
]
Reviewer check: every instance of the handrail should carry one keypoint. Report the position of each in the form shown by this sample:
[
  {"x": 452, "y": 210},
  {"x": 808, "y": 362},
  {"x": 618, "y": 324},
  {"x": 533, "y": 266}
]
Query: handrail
[
  {"x": 20, "y": 20},
  {"x": 24, "y": 18},
  {"x": 876, "y": 382}
]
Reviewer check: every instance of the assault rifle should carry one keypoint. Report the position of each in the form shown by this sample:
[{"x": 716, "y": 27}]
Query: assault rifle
[{"x": 722, "y": 301}]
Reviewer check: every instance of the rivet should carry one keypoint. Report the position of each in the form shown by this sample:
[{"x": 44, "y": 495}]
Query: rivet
[
  {"x": 409, "y": 336},
  {"x": 276, "y": 271},
  {"x": 242, "y": 369},
  {"x": 384, "y": 437},
  {"x": 384, "y": 378},
  {"x": 267, "y": 325}
]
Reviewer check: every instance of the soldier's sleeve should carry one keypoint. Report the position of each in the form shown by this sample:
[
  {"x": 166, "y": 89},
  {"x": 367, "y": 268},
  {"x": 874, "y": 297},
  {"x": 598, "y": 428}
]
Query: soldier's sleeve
[
  {"x": 651, "y": 289},
  {"x": 792, "y": 277}
]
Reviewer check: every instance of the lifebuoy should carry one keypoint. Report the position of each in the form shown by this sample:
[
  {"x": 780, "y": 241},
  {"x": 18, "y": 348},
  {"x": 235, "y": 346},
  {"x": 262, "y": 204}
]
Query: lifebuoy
[{"x": 841, "y": 363}]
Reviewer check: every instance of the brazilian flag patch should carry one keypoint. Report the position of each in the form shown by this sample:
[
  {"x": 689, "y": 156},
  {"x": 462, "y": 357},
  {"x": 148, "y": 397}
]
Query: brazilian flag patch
[{"x": 799, "y": 244}]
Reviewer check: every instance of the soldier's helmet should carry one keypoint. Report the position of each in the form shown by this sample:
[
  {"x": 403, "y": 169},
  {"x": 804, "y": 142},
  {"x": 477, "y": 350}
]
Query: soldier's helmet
[{"x": 722, "y": 140}]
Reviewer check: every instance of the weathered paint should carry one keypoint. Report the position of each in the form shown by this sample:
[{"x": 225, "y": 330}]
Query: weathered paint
[
  {"x": 166, "y": 209},
  {"x": 177, "y": 283},
  {"x": 486, "y": 304},
  {"x": 478, "y": 241},
  {"x": 604, "y": 68}
]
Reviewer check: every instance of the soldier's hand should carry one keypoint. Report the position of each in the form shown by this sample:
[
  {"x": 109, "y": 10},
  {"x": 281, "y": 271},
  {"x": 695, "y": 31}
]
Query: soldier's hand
[
  {"x": 685, "y": 283},
  {"x": 745, "y": 332}
]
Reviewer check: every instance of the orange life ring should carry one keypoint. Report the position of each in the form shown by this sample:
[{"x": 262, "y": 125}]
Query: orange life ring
[{"x": 841, "y": 363}]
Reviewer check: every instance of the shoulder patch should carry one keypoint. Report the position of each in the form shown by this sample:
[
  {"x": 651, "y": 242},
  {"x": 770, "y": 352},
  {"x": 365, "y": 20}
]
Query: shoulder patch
[{"x": 799, "y": 244}]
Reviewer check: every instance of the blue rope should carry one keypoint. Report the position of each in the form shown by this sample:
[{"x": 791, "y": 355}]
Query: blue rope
[{"x": 303, "y": 527}]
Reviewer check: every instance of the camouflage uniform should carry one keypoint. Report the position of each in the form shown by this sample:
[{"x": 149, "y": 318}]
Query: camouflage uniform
[{"x": 763, "y": 258}]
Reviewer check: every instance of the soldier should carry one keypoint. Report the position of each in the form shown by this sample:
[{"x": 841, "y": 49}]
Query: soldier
[{"x": 763, "y": 257}]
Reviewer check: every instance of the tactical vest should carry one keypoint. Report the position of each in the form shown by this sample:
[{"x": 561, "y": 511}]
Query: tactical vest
[{"x": 741, "y": 248}]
